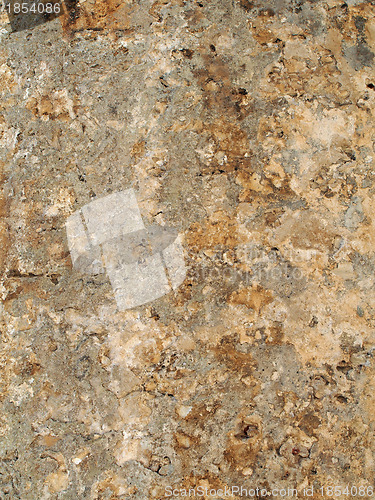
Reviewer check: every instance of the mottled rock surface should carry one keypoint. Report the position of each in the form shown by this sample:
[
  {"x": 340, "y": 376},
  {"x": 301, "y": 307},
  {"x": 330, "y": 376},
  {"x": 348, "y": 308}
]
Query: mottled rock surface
[{"x": 248, "y": 126}]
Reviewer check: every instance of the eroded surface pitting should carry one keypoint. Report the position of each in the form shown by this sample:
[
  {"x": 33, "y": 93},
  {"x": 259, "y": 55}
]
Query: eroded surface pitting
[{"x": 248, "y": 127}]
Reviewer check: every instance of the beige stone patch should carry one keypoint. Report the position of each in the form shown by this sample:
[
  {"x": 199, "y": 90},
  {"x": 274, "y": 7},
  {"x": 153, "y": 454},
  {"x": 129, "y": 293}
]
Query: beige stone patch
[
  {"x": 7, "y": 78},
  {"x": 305, "y": 230},
  {"x": 58, "y": 481},
  {"x": 56, "y": 105}
]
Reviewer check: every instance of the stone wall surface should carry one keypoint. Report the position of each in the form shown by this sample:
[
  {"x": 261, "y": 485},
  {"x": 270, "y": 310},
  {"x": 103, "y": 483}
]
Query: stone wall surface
[{"x": 247, "y": 126}]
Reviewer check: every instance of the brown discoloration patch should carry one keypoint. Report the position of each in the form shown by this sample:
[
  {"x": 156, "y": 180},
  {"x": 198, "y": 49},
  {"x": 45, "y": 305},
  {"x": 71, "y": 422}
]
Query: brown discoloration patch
[
  {"x": 4, "y": 203},
  {"x": 240, "y": 362},
  {"x": 187, "y": 53},
  {"x": 264, "y": 31},
  {"x": 230, "y": 140},
  {"x": 97, "y": 15},
  {"x": 275, "y": 334},
  {"x": 138, "y": 150},
  {"x": 244, "y": 442},
  {"x": 264, "y": 36},
  {"x": 309, "y": 423},
  {"x": 55, "y": 106},
  {"x": 229, "y": 106},
  {"x": 14, "y": 294},
  {"x": 191, "y": 438},
  {"x": 247, "y": 5},
  {"x": 4, "y": 228},
  {"x": 49, "y": 440},
  {"x": 217, "y": 232},
  {"x": 27, "y": 367},
  {"x": 252, "y": 297},
  {"x": 4, "y": 243}
]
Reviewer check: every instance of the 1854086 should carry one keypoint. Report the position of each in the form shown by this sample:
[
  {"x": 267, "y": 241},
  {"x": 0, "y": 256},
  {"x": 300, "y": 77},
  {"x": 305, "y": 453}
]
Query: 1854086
[
  {"x": 31, "y": 7},
  {"x": 27, "y": 14},
  {"x": 351, "y": 491}
]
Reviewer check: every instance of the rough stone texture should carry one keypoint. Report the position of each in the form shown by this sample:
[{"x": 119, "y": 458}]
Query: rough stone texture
[{"x": 248, "y": 126}]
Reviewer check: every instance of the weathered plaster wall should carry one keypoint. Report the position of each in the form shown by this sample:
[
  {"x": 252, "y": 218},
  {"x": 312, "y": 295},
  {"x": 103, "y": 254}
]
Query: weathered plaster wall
[{"x": 248, "y": 127}]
